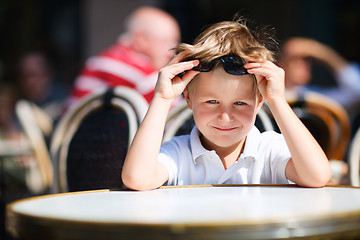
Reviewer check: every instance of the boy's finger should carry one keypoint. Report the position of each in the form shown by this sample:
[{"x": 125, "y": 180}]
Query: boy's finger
[
  {"x": 267, "y": 64},
  {"x": 182, "y": 66},
  {"x": 188, "y": 76},
  {"x": 253, "y": 65},
  {"x": 177, "y": 58}
]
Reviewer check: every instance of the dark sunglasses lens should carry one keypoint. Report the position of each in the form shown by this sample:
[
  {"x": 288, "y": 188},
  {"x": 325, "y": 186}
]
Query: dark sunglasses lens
[
  {"x": 204, "y": 66},
  {"x": 234, "y": 65}
]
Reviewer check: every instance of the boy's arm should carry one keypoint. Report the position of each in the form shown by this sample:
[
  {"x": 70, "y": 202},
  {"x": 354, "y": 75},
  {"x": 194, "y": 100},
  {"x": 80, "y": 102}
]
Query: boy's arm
[
  {"x": 141, "y": 170},
  {"x": 309, "y": 165}
]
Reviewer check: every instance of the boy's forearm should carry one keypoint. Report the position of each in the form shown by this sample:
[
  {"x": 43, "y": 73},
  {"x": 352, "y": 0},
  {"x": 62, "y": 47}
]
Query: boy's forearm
[
  {"x": 141, "y": 168},
  {"x": 309, "y": 165}
]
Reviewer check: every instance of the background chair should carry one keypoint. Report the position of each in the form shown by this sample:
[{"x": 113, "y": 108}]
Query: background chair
[
  {"x": 330, "y": 125},
  {"x": 37, "y": 126},
  {"x": 90, "y": 142},
  {"x": 354, "y": 160},
  {"x": 180, "y": 121},
  {"x": 327, "y": 120}
]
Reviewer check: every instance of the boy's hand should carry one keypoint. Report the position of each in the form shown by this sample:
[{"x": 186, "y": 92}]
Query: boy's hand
[
  {"x": 270, "y": 79},
  {"x": 169, "y": 85}
]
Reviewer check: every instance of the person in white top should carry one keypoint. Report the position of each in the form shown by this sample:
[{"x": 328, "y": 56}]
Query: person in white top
[{"x": 225, "y": 76}]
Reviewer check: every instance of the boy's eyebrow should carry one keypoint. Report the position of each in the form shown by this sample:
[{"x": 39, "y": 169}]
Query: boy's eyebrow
[{"x": 214, "y": 94}]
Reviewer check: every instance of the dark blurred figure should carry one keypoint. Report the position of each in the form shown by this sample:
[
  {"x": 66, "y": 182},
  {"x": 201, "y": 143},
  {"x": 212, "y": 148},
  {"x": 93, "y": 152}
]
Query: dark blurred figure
[
  {"x": 9, "y": 127},
  {"x": 36, "y": 83},
  {"x": 133, "y": 61},
  {"x": 296, "y": 57},
  {"x": 19, "y": 169}
]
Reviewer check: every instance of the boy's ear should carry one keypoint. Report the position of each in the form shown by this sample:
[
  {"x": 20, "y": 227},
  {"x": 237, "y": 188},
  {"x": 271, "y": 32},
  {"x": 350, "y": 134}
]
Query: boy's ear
[
  {"x": 187, "y": 98},
  {"x": 260, "y": 104}
]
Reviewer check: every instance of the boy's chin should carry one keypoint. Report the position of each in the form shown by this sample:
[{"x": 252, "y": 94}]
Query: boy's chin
[{"x": 221, "y": 142}]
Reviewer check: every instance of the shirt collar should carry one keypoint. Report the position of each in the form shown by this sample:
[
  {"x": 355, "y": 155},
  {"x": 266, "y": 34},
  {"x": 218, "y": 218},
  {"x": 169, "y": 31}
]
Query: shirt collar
[
  {"x": 197, "y": 149},
  {"x": 250, "y": 149},
  {"x": 252, "y": 143}
]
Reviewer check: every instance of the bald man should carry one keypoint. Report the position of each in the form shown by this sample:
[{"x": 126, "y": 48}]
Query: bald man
[{"x": 135, "y": 58}]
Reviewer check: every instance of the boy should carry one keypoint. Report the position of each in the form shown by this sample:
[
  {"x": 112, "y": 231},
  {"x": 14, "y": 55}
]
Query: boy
[{"x": 228, "y": 74}]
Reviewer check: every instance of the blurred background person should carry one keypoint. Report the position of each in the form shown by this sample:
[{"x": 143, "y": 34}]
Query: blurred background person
[
  {"x": 9, "y": 127},
  {"x": 16, "y": 168},
  {"x": 297, "y": 57},
  {"x": 37, "y": 84},
  {"x": 133, "y": 61}
]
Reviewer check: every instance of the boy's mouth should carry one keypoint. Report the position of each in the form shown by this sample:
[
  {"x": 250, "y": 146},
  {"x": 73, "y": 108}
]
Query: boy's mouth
[{"x": 225, "y": 129}]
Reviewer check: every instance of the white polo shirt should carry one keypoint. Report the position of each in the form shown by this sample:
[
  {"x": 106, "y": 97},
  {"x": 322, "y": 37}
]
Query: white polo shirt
[{"x": 262, "y": 161}]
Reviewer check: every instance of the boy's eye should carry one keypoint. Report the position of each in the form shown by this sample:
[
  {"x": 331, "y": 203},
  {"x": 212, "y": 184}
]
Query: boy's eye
[
  {"x": 239, "y": 103},
  {"x": 212, "y": 101}
]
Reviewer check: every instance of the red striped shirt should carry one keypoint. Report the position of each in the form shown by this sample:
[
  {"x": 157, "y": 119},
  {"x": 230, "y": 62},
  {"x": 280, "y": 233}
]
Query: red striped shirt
[{"x": 116, "y": 66}]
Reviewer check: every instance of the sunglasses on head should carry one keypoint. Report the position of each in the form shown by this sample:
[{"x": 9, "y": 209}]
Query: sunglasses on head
[{"x": 233, "y": 65}]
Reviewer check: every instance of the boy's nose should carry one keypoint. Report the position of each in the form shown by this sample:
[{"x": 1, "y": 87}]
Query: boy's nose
[{"x": 225, "y": 115}]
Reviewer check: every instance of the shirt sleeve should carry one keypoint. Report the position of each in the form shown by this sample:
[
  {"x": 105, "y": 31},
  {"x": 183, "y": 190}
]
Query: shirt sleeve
[
  {"x": 169, "y": 157},
  {"x": 279, "y": 157}
]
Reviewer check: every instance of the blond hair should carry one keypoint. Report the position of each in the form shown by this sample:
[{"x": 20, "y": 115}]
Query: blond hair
[{"x": 229, "y": 38}]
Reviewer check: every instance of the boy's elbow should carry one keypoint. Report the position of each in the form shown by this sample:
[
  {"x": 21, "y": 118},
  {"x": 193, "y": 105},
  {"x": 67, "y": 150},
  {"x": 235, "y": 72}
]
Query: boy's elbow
[
  {"x": 323, "y": 177},
  {"x": 319, "y": 180},
  {"x": 135, "y": 182},
  {"x": 327, "y": 179},
  {"x": 130, "y": 181}
]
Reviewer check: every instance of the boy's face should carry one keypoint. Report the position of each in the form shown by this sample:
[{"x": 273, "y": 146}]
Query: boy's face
[{"x": 224, "y": 107}]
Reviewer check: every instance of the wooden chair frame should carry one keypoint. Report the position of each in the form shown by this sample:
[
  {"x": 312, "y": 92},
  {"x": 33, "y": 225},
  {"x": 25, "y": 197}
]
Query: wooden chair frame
[
  {"x": 126, "y": 99},
  {"x": 354, "y": 160},
  {"x": 36, "y": 125},
  {"x": 334, "y": 115}
]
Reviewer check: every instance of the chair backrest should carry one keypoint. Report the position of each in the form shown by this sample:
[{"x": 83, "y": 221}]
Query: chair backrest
[
  {"x": 180, "y": 121},
  {"x": 37, "y": 125},
  {"x": 327, "y": 120},
  {"x": 354, "y": 160},
  {"x": 91, "y": 140}
]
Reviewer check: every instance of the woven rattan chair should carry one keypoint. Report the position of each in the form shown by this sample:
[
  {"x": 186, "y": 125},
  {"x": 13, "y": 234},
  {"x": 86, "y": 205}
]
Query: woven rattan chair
[
  {"x": 329, "y": 123},
  {"x": 37, "y": 126},
  {"x": 90, "y": 143},
  {"x": 354, "y": 160}
]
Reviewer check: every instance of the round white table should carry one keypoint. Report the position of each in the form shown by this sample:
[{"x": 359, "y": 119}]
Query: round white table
[{"x": 191, "y": 212}]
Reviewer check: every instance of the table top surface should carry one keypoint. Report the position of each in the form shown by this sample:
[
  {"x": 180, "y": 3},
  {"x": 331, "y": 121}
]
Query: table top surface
[
  {"x": 198, "y": 206},
  {"x": 192, "y": 205}
]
